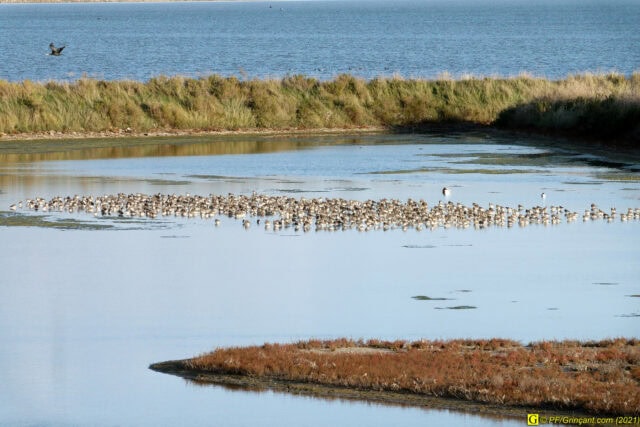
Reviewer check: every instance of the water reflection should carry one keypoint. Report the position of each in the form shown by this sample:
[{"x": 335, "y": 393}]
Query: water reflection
[
  {"x": 174, "y": 146},
  {"x": 84, "y": 149},
  {"x": 429, "y": 405}
]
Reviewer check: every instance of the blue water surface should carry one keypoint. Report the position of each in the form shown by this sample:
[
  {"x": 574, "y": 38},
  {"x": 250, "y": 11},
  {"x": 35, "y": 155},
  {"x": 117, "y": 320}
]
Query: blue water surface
[
  {"x": 413, "y": 38},
  {"x": 84, "y": 312}
]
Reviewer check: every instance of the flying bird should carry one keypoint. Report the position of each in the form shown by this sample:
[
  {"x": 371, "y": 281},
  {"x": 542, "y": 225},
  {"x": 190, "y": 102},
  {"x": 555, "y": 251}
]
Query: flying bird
[{"x": 55, "y": 51}]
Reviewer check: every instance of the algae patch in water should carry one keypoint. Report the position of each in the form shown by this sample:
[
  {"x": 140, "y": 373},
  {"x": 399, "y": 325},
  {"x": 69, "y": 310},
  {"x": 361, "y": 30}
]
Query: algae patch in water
[
  {"x": 494, "y": 171},
  {"x": 215, "y": 177},
  {"x": 525, "y": 160},
  {"x": 298, "y": 190},
  {"x": 129, "y": 224},
  {"x": 11, "y": 219},
  {"x": 433, "y": 246},
  {"x": 457, "y": 171},
  {"x": 619, "y": 176},
  {"x": 540, "y": 160},
  {"x": 157, "y": 181},
  {"x": 583, "y": 183},
  {"x": 8, "y": 219},
  {"x": 350, "y": 189},
  {"x": 426, "y": 298},
  {"x": 458, "y": 307}
]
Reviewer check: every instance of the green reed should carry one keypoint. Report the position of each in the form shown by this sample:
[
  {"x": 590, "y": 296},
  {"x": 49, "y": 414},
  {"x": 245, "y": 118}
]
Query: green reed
[{"x": 609, "y": 103}]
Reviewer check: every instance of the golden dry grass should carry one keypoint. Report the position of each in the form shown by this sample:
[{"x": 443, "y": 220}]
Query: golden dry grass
[{"x": 609, "y": 103}]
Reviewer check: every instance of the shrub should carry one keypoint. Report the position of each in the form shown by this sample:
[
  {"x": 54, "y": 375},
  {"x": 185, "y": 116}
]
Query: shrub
[{"x": 600, "y": 378}]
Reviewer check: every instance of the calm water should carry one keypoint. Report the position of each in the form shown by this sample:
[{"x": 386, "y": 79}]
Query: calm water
[
  {"x": 85, "y": 310},
  {"x": 320, "y": 38}
]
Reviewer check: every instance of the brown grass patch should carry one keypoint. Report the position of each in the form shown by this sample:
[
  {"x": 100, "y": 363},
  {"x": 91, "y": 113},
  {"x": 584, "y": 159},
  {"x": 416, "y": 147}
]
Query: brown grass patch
[{"x": 593, "y": 377}]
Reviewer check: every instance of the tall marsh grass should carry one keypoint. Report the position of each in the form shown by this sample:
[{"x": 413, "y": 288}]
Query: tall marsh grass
[{"x": 607, "y": 103}]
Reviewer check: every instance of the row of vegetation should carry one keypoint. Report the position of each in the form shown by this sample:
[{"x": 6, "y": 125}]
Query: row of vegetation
[
  {"x": 607, "y": 105},
  {"x": 588, "y": 377}
]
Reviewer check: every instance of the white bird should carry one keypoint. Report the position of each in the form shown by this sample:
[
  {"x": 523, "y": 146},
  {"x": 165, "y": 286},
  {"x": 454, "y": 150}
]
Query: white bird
[{"x": 446, "y": 192}]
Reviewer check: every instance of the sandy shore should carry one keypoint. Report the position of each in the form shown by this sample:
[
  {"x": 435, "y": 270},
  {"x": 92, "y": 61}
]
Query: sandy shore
[{"x": 129, "y": 133}]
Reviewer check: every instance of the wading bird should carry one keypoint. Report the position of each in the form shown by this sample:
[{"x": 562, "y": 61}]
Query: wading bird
[
  {"x": 446, "y": 192},
  {"x": 55, "y": 51}
]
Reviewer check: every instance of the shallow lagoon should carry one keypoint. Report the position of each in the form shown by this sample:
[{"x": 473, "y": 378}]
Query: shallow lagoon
[{"x": 87, "y": 305}]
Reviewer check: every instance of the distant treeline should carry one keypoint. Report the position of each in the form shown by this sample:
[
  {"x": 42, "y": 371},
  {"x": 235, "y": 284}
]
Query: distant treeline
[{"x": 605, "y": 106}]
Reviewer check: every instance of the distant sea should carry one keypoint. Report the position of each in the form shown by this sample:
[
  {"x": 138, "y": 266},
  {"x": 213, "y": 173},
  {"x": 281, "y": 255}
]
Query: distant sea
[{"x": 410, "y": 38}]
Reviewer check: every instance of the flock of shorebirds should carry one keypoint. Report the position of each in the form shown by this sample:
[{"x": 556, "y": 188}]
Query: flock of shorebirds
[{"x": 331, "y": 214}]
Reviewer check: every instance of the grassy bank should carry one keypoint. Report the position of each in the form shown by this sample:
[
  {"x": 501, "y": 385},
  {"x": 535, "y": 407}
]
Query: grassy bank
[
  {"x": 607, "y": 106},
  {"x": 601, "y": 378}
]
